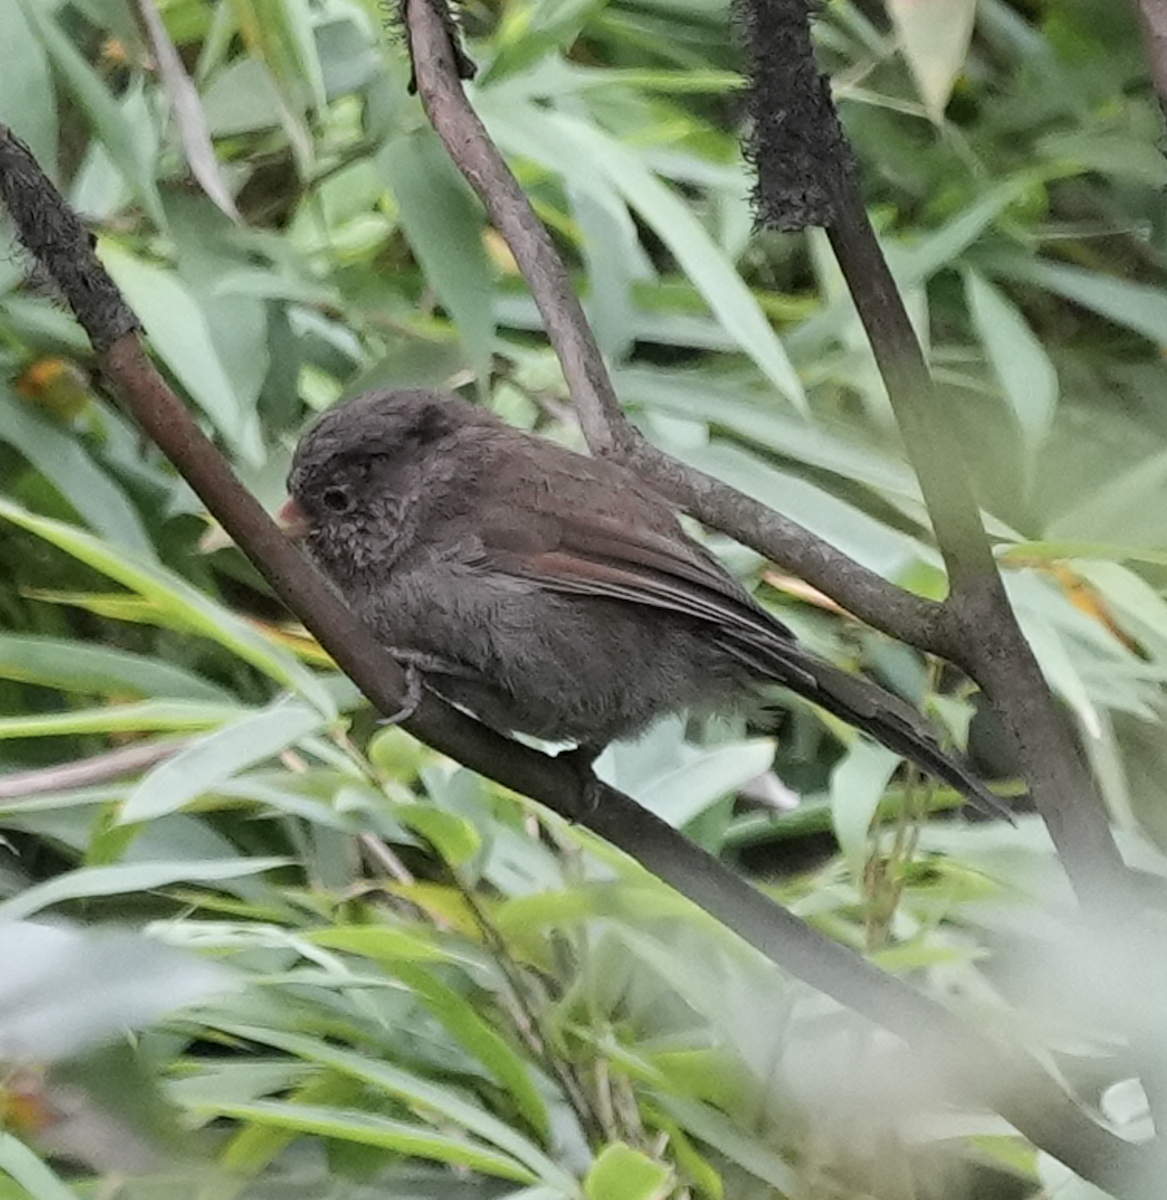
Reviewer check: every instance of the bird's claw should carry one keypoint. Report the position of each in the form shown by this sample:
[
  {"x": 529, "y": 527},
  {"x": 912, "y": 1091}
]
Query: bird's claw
[
  {"x": 411, "y": 699},
  {"x": 581, "y": 760}
]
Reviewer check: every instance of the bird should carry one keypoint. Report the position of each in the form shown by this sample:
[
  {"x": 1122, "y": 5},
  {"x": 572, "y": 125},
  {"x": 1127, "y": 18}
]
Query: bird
[{"x": 550, "y": 593}]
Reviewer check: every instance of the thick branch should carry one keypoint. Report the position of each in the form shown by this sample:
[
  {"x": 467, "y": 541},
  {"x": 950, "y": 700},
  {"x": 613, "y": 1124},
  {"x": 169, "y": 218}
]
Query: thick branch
[
  {"x": 936, "y": 458},
  {"x": 979, "y": 631},
  {"x": 1005, "y": 1078}
]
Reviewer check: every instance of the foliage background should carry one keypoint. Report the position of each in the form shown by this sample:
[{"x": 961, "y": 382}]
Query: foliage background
[{"x": 447, "y": 992}]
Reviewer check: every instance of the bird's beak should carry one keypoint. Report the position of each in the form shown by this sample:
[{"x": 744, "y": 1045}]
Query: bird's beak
[{"x": 293, "y": 522}]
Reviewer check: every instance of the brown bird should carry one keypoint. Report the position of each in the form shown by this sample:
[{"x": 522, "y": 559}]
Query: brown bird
[{"x": 549, "y": 593}]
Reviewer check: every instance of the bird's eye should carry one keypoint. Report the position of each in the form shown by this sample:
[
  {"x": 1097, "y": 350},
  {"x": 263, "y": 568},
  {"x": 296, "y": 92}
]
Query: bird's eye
[{"x": 336, "y": 499}]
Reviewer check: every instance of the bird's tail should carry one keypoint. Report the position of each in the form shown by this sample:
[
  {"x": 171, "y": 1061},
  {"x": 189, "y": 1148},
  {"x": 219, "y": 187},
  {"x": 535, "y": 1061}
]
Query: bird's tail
[{"x": 868, "y": 707}]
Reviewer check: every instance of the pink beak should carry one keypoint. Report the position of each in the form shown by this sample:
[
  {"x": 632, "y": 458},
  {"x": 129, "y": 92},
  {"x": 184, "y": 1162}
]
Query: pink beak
[{"x": 292, "y": 521}]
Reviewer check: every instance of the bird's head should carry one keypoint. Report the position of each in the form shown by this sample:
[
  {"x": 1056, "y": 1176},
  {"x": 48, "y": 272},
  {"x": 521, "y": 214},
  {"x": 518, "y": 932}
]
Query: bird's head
[{"x": 357, "y": 471}]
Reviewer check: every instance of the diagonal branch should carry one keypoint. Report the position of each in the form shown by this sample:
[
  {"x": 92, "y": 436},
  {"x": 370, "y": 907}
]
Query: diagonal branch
[{"x": 1004, "y": 1077}]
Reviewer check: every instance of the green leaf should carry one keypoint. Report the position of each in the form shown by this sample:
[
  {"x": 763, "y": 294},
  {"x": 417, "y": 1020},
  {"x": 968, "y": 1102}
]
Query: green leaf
[
  {"x": 118, "y": 606},
  {"x": 351, "y": 1125},
  {"x": 67, "y": 989},
  {"x": 381, "y": 942},
  {"x": 188, "y": 111},
  {"x": 212, "y": 760},
  {"x": 27, "y": 1169},
  {"x": 530, "y": 30},
  {"x": 444, "y": 226},
  {"x": 419, "y": 1093},
  {"x": 738, "y": 1145},
  {"x": 151, "y": 715},
  {"x": 1107, "y": 152},
  {"x": 99, "y": 670},
  {"x": 621, "y": 1173},
  {"x": 196, "y": 610},
  {"x": 117, "y": 135},
  {"x": 474, "y": 1033},
  {"x": 28, "y": 104},
  {"x": 87, "y": 882},
  {"x": 454, "y": 838},
  {"x": 59, "y": 457},
  {"x": 1023, "y": 553},
  {"x": 279, "y": 34},
  {"x": 873, "y": 542},
  {"x": 1019, "y": 360},
  {"x": 1138, "y": 306},
  {"x": 857, "y": 786},
  {"x": 1059, "y": 668},
  {"x": 750, "y": 414},
  {"x": 935, "y": 36},
  {"x": 942, "y": 247},
  {"x": 1118, "y": 508},
  {"x": 685, "y": 790},
  {"x": 571, "y": 146},
  {"x": 179, "y": 332}
]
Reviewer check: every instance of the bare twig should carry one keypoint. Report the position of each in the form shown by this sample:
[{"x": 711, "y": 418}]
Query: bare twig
[
  {"x": 440, "y": 86},
  {"x": 86, "y": 772}
]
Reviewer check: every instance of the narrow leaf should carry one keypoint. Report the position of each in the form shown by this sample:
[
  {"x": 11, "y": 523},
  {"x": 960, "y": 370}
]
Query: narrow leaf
[
  {"x": 214, "y": 759},
  {"x": 935, "y": 36},
  {"x": 418, "y": 1092},
  {"x": 1026, "y": 375},
  {"x": 28, "y": 1170},
  {"x": 195, "y": 609},
  {"x": 88, "y": 882},
  {"x": 188, "y": 111},
  {"x": 621, "y": 1173},
  {"x": 60, "y": 458},
  {"x": 444, "y": 226},
  {"x": 84, "y": 667},
  {"x": 857, "y": 786},
  {"x": 149, "y": 716},
  {"x": 180, "y": 334}
]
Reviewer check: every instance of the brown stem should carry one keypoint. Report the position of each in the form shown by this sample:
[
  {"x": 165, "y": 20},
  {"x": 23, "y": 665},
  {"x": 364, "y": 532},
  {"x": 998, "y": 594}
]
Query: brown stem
[
  {"x": 439, "y": 85},
  {"x": 86, "y": 772},
  {"x": 936, "y": 458},
  {"x": 978, "y": 629}
]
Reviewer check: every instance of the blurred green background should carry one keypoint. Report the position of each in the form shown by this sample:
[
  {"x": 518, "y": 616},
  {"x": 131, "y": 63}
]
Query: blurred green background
[{"x": 445, "y": 991}]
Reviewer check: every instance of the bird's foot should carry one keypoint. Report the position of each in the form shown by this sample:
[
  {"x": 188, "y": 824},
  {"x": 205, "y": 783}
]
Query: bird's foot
[
  {"x": 591, "y": 790},
  {"x": 411, "y": 699}
]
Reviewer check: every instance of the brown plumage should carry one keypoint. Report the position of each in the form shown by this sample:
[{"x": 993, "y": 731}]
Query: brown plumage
[{"x": 550, "y": 593}]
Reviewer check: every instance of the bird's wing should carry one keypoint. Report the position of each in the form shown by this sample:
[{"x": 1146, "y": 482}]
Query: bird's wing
[
  {"x": 595, "y": 555},
  {"x": 587, "y": 554}
]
